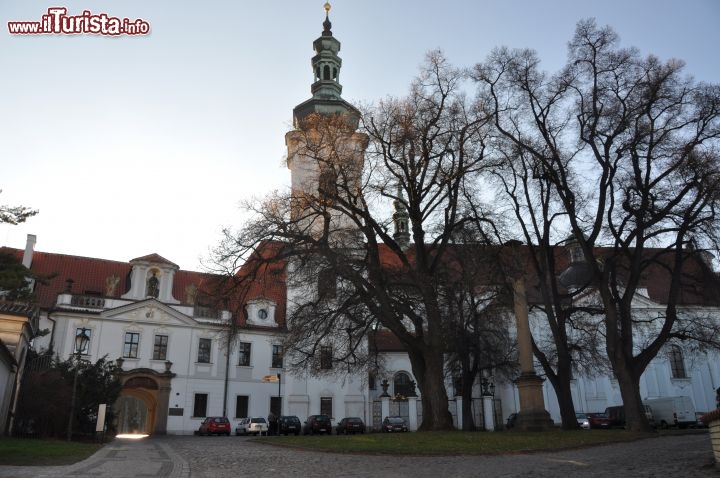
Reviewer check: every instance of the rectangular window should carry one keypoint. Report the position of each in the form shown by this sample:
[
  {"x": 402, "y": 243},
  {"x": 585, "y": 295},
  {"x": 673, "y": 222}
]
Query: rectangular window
[
  {"x": 325, "y": 357},
  {"x": 200, "y": 405},
  {"x": 327, "y": 284},
  {"x": 275, "y": 405},
  {"x": 244, "y": 351},
  {"x": 160, "y": 347},
  {"x": 241, "y": 406},
  {"x": 204, "y": 351},
  {"x": 130, "y": 347},
  {"x": 677, "y": 363},
  {"x": 326, "y": 406},
  {"x": 277, "y": 356},
  {"x": 85, "y": 344}
]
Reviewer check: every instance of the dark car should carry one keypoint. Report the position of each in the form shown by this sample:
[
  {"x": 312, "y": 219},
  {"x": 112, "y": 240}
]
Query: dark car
[
  {"x": 616, "y": 415},
  {"x": 350, "y": 425},
  {"x": 598, "y": 420},
  {"x": 215, "y": 426},
  {"x": 289, "y": 424},
  {"x": 317, "y": 424},
  {"x": 394, "y": 424},
  {"x": 511, "y": 419}
]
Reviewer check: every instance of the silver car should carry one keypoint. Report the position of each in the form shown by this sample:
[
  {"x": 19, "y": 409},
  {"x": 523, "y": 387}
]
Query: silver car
[
  {"x": 252, "y": 426},
  {"x": 582, "y": 420}
]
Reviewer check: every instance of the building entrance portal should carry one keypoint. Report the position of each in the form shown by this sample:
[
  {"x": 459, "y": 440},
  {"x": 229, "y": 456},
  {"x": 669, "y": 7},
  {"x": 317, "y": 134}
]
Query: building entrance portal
[
  {"x": 143, "y": 403},
  {"x": 132, "y": 415}
]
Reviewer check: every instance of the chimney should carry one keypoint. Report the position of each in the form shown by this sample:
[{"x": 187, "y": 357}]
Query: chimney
[{"x": 29, "y": 249}]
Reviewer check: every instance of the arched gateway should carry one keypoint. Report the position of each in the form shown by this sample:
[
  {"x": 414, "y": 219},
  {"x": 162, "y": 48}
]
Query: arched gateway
[{"x": 143, "y": 403}]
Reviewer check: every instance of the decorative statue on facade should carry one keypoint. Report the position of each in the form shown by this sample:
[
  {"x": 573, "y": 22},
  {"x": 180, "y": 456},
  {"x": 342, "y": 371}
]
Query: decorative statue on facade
[
  {"x": 384, "y": 384},
  {"x": 153, "y": 286}
]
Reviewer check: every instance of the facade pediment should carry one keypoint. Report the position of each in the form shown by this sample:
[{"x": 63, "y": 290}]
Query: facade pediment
[{"x": 149, "y": 311}]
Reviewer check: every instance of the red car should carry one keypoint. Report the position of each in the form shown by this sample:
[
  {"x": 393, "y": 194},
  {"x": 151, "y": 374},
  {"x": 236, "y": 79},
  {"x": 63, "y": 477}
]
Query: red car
[
  {"x": 598, "y": 420},
  {"x": 215, "y": 426}
]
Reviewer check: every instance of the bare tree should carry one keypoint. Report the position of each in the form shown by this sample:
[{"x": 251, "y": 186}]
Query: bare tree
[
  {"x": 347, "y": 272},
  {"x": 476, "y": 301},
  {"x": 566, "y": 339},
  {"x": 629, "y": 147}
]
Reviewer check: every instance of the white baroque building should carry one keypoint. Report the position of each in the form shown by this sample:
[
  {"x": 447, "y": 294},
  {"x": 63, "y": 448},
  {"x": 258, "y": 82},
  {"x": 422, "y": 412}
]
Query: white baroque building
[{"x": 171, "y": 338}]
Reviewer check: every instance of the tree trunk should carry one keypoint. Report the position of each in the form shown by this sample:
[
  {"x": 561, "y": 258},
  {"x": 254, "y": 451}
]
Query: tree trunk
[
  {"x": 467, "y": 388},
  {"x": 428, "y": 371},
  {"x": 635, "y": 418},
  {"x": 565, "y": 401}
]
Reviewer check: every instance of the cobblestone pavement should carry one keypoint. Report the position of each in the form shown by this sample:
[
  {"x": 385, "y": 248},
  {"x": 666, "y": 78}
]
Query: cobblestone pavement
[
  {"x": 681, "y": 456},
  {"x": 676, "y": 456}
]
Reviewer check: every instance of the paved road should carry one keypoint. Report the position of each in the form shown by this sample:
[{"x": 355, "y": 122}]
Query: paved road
[{"x": 219, "y": 457}]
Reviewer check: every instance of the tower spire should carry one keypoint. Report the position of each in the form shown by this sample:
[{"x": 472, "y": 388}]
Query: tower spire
[
  {"x": 326, "y": 24},
  {"x": 401, "y": 220},
  {"x": 326, "y": 88}
]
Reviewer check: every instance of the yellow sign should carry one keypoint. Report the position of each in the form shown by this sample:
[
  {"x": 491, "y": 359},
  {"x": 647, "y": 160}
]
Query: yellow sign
[{"x": 270, "y": 378}]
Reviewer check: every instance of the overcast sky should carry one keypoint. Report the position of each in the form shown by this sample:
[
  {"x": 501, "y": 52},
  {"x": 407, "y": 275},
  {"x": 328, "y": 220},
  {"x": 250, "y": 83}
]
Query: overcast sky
[{"x": 134, "y": 145}]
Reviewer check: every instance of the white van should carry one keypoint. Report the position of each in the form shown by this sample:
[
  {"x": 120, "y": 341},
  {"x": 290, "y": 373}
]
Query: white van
[{"x": 672, "y": 411}]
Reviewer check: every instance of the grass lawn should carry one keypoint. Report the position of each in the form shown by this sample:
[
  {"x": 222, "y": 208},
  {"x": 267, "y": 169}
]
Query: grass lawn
[
  {"x": 456, "y": 443},
  {"x": 30, "y": 451}
]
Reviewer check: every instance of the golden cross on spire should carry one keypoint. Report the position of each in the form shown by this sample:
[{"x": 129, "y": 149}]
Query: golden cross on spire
[{"x": 327, "y": 7}]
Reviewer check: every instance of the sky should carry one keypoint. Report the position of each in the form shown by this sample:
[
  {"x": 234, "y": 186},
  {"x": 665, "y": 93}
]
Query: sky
[{"x": 132, "y": 145}]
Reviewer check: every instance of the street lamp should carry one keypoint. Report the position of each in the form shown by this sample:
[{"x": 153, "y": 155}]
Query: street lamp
[
  {"x": 279, "y": 399},
  {"x": 81, "y": 340}
]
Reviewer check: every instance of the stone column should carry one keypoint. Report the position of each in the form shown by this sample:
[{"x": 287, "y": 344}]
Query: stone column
[
  {"x": 163, "y": 400},
  {"x": 385, "y": 407},
  {"x": 412, "y": 411},
  {"x": 488, "y": 413},
  {"x": 458, "y": 411},
  {"x": 532, "y": 414}
]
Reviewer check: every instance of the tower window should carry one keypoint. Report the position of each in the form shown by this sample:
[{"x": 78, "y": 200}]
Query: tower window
[
  {"x": 327, "y": 284},
  {"x": 326, "y": 72},
  {"x": 326, "y": 357}
]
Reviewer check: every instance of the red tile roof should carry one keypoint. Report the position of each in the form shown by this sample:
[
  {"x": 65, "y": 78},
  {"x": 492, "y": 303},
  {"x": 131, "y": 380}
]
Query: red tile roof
[{"x": 89, "y": 275}]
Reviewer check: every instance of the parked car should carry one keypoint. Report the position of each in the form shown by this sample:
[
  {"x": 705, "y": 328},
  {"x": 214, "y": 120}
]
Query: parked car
[
  {"x": 350, "y": 425},
  {"x": 252, "y": 426},
  {"x": 394, "y": 424},
  {"x": 317, "y": 424},
  {"x": 289, "y": 424},
  {"x": 583, "y": 421},
  {"x": 215, "y": 426},
  {"x": 598, "y": 420},
  {"x": 616, "y": 415},
  {"x": 511, "y": 420}
]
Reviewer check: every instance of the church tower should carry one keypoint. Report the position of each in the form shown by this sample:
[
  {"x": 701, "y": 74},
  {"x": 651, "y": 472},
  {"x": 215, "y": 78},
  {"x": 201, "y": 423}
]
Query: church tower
[{"x": 325, "y": 150}]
